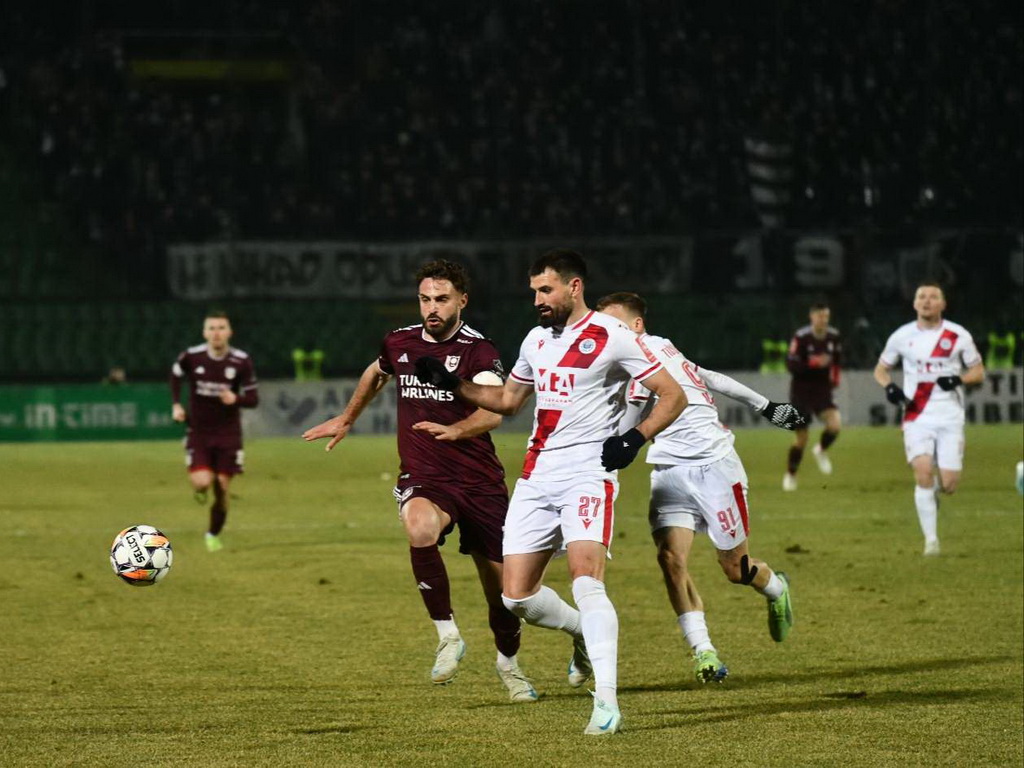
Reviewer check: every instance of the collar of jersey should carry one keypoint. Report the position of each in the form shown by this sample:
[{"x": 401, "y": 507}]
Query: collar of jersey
[{"x": 581, "y": 321}]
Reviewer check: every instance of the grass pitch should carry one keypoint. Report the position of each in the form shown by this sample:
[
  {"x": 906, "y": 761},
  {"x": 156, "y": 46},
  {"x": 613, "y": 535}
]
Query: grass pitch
[{"x": 305, "y": 642}]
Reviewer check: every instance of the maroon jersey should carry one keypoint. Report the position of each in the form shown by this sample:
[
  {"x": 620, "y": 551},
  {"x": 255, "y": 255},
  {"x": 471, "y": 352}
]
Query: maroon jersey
[
  {"x": 468, "y": 463},
  {"x": 803, "y": 362},
  {"x": 206, "y": 377}
]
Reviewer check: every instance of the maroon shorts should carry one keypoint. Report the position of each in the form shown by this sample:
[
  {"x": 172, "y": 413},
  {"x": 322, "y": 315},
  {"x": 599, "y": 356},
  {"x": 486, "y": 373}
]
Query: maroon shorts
[
  {"x": 222, "y": 454},
  {"x": 811, "y": 397},
  {"x": 479, "y": 512}
]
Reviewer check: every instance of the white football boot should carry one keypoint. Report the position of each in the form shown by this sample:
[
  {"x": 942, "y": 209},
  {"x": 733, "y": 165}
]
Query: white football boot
[
  {"x": 824, "y": 462},
  {"x": 450, "y": 651},
  {"x": 604, "y": 721},
  {"x": 788, "y": 482},
  {"x": 520, "y": 689}
]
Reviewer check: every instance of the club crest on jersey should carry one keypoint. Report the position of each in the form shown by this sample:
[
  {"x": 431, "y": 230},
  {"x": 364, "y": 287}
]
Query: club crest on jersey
[
  {"x": 200, "y": 369},
  {"x": 230, "y": 372},
  {"x": 587, "y": 346},
  {"x": 945, "y": 344},
  {"x": 452, "y": 362}
]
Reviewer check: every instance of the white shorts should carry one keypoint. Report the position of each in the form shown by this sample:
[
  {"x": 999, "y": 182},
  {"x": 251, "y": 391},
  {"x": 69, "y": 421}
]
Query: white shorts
[
  {"x": 943, "y": 442},
  {"x": 548, "y": 514},
  {"x": 710, "y": 498}
]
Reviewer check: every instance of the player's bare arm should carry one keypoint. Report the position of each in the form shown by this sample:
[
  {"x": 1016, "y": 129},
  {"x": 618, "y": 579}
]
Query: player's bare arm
[
  {"x": 479, "y": 422},
  {"x": 506, "y": 400},
  {"x": 370, "y": 383},
  {"x": 882, "y": 374},
  {"x": 671, "y": 401},
  {"x": 974, "y": 375}
]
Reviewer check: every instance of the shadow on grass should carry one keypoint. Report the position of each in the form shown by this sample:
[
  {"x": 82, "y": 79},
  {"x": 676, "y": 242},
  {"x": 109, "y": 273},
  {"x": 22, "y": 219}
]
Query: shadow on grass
[
  {"x": 847, "y": 673},
  {"x": 827, "y": 702},
  {"x": 328, "y": 730}
]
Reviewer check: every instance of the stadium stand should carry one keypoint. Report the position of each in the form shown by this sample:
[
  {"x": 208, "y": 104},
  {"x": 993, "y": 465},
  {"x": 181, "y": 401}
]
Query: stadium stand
[{"x": 404, "y": 121}]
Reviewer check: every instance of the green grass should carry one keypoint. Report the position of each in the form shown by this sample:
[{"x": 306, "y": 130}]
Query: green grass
[{"x": 305, "y": 642}]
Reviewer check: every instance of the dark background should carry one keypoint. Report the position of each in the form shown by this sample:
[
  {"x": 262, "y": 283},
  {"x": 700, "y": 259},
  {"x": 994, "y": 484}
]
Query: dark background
[{"x": 726, "y": 136}]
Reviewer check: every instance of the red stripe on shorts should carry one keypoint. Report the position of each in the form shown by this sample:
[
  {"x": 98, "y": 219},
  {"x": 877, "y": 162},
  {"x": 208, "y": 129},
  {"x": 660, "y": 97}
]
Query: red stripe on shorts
[
  {"x": 609, "y": 513},
  {"x": 741, "y": 505}
]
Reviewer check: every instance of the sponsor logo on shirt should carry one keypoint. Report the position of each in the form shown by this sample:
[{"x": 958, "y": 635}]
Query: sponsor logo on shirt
[{"x": 561, "y": 384}]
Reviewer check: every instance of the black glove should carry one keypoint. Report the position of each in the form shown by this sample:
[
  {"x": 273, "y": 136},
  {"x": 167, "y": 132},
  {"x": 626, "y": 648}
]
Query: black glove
[
  {"x": 430, "y": 370},
  {"x": 895, "y": 395},
  {"x": 784, "y": 415},
  {"x": 620, "y": 450},
  {"x": 949, "y": 383}
]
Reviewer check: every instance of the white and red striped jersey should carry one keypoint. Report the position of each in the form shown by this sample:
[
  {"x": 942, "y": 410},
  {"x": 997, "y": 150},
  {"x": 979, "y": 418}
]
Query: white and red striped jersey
[
  {"x": 697, "y": 437},
  {"x": 579, "y": 376},
  {"x": 927, "y": 354}
]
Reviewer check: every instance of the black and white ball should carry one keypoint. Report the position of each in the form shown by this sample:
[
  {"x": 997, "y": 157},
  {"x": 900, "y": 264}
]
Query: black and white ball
[{"x": 141, "y": 555}]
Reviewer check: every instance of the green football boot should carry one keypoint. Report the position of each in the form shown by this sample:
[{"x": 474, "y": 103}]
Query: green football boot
[
  {"x": 780, "y": 612},
  {"x": 708, "y": 668}
]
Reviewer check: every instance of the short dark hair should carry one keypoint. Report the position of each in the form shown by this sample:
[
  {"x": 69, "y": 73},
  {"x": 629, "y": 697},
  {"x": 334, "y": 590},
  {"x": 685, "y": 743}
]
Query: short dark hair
[
  {"x": 931, "y": 284},
  {"x": 216, "y": 314},
  {"x": 442, "y": 269},
  {"x": 631, "y": 301},
  {"x": 819, "y": 304},
  {"x": 565, "y": 261}
]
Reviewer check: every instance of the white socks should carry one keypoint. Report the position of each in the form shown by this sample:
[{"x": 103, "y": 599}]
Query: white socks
[
  {"x": 546, "y": 609},
  {"x": 445, "y": 627},
  {"x": 695, "y": 630},
  {"x": 600, "y": 628},
  {"x": 927, "y": 512},
  {"x": 505, "y": 663},
  {"x": 774, "y": 588}
]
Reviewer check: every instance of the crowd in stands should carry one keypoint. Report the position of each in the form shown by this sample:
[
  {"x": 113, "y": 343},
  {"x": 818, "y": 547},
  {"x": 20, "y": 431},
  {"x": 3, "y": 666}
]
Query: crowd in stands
[{"x": 409, "y": 120}]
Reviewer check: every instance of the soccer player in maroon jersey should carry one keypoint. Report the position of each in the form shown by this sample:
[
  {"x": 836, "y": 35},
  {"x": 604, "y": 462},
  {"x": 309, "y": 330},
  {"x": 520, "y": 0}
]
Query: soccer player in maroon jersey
[
  {"x": 450, "y": 475},
  {"x": 814, "y": 359},
  {"x": 221, "y": 380}
]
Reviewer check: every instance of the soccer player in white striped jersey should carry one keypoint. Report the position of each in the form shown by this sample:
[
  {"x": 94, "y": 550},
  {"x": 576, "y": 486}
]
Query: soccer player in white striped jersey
[
  {"x": 938, "y": 357},
  {"x": 698, "y": 484},
  {"x": 578, "y": 362}
]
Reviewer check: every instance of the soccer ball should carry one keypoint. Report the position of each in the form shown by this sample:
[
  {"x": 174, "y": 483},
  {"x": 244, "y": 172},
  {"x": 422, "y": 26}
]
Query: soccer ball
[{"x": 141, "y": 555}]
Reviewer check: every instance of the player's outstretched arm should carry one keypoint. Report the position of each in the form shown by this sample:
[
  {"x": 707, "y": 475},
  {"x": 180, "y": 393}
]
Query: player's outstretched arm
[
  {"x": 506, "y": 400},
  {"x": 370, "y": 383},
  {"x": 478, "y": 422},
  {"x": 728, "y": 386}
]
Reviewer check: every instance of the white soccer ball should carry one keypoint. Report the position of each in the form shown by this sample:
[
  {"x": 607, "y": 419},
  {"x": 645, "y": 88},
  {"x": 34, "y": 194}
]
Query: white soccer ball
[
  {"x": 1020, "y": 477},
  {"x": 141, "y": 555}
]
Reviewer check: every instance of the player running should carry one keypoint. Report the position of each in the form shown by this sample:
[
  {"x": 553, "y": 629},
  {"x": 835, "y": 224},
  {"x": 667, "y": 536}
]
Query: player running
[
  {"x": 935, "y": 354},
  {"x": 578, "y": 362},
  {"x": 221, "y": 379},
  {"x": 698, "y": 484},
  {"x": 814, "y": 359},
  {"x": 449, "y": 474}
]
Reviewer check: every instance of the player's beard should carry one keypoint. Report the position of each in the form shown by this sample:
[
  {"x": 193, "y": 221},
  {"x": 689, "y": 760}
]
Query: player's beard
[
  {"x": 443, "y": 330},
  {"x": 557, "y": 317}
]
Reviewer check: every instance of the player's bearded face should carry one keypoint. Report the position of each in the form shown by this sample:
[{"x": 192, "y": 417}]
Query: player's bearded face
[
  {"x": 553, "y": 299},
  {"x": 440, "y": 307}
]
